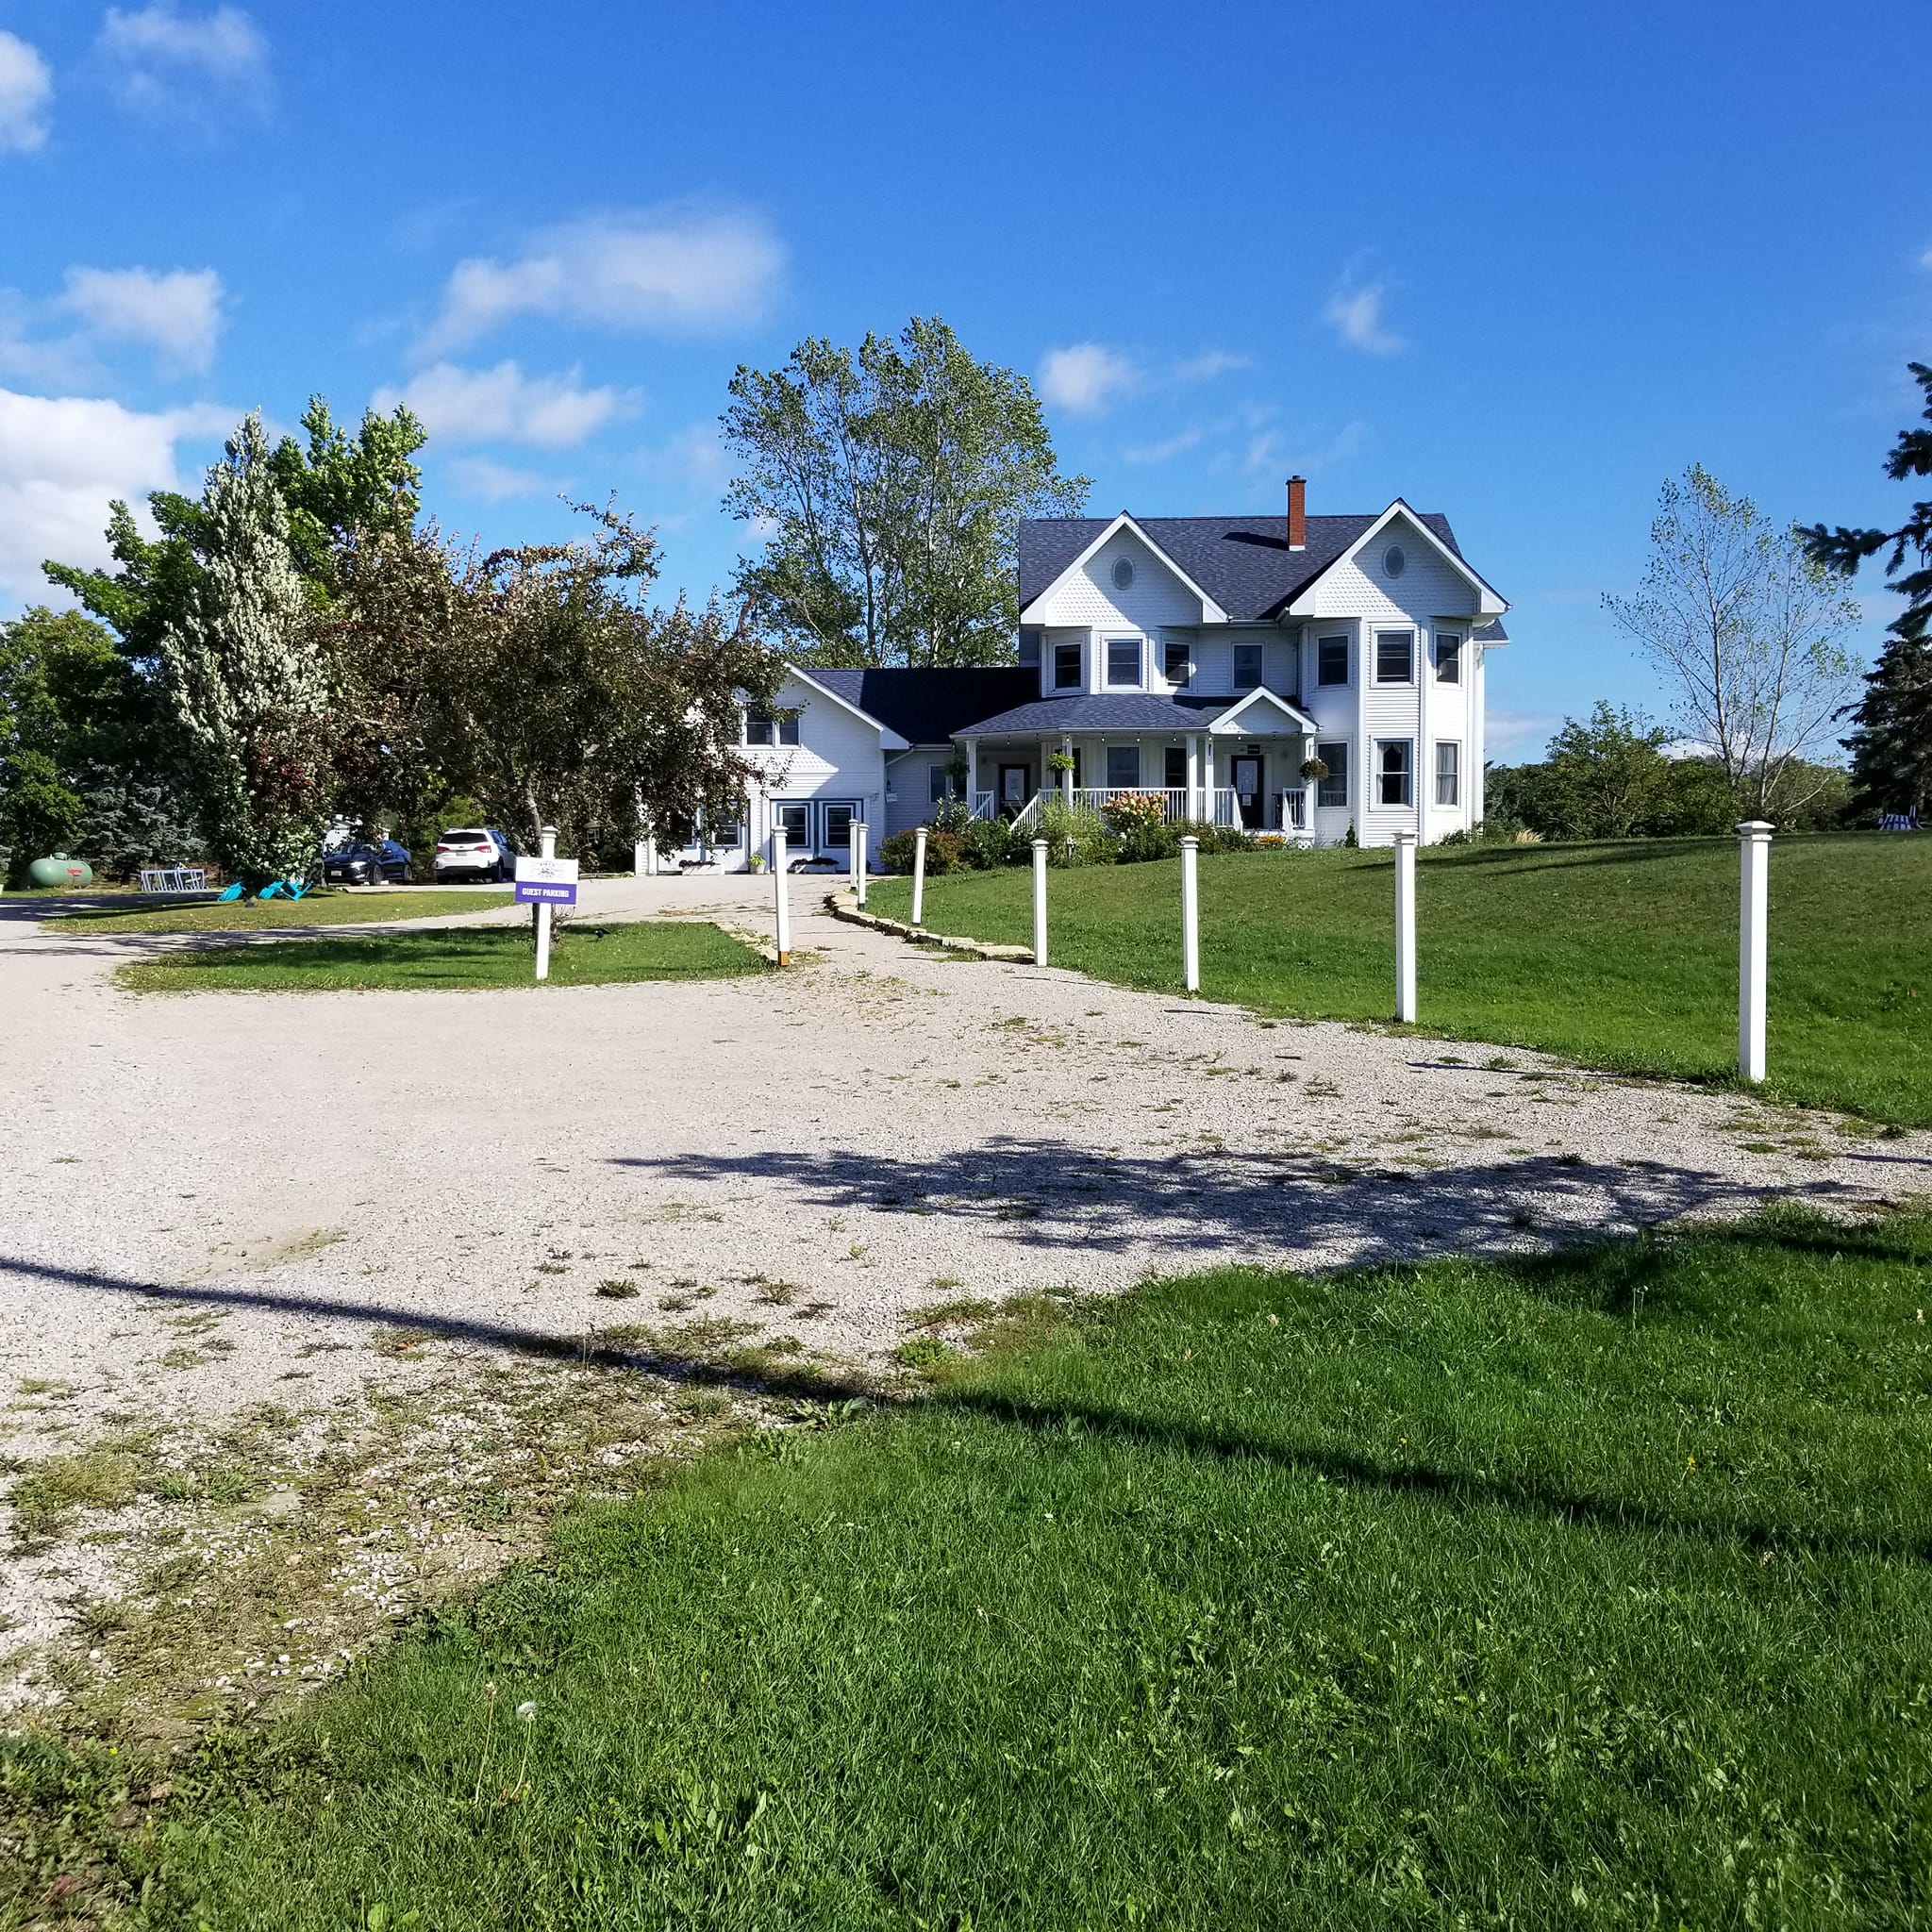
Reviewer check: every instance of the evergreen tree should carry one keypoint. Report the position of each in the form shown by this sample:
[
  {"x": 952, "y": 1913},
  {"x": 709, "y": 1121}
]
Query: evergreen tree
[
  {"x": 1891, "y": 739},
  {"x": 246, "y": 677}
]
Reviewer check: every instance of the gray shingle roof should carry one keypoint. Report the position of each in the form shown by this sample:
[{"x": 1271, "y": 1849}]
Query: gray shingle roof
[
  {"x": 1243, "y": 563},
  {"x": 1116, "y": 711},
  {"x": 928, "y": 707}
]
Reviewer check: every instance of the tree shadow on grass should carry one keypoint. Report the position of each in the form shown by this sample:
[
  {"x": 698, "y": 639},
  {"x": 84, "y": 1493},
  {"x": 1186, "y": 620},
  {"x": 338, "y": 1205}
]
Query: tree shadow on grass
[{"x": 1459, "y": 1491}]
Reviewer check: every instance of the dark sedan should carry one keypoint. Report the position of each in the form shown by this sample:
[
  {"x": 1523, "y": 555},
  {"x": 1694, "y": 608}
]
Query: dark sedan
[{"x": 365, "y": 863}]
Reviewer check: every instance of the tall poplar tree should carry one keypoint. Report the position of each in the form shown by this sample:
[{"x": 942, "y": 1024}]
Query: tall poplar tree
[
  {"x": 892, "y": 481},
  {"x": 246, "y": 677}
]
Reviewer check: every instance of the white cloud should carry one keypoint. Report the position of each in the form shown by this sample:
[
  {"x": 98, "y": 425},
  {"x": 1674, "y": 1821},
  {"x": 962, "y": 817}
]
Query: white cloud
[
  {"x": 696, "y": 457},
  {"x": 1355, "y": 313},
  {"x": 490, "y": 481},
  {"x": 1164, "y": 452},
  {"x": 197, "y": 70},
  {"x": 177, "y": 314},
  {"x": 26, "y": 94},
  {"x": 1515, "y": 736},
  {"x": 1205, "y": 368},
  {"x": 643, "y": 271},
  {"x": 1087, "y": 379},
  {"x": 64, "y": 459},
  {"x": 502, "y": 404}
]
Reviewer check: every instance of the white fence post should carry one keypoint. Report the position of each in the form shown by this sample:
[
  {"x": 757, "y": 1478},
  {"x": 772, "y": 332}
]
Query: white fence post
[
  {"x": 546, "y": 848},
  {"x": 918, "y": 872},
  {"x": 1191, "y": 913},
  {"x": 858, "y": 866},
  {"x": 1404, "y": 927},
  {"x": 1039, "y": 902},
  {"x": 781, "y": 903},
  {"x": 1754, "y": 849}
]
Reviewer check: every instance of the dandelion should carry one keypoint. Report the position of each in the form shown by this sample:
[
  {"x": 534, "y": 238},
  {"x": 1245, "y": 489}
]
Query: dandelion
[{"x": 526, "y": 1711}]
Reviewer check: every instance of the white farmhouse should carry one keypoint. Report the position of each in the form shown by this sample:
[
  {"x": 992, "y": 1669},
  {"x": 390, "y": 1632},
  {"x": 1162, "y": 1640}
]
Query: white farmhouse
[{"x": 1208, "y": 659}]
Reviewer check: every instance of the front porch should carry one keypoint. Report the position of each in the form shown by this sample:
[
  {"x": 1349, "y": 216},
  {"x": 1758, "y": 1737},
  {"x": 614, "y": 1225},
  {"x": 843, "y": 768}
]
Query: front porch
[{"x": 1198, "y": 777}]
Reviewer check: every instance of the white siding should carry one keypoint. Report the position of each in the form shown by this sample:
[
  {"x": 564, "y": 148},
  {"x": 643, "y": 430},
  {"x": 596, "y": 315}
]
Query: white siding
[
  {"x": 1089, "y": 600},
  {"x": 909, "y": 784},
  {"x": 838, "y": 756},
  {"x": 1428, "y": 596}
]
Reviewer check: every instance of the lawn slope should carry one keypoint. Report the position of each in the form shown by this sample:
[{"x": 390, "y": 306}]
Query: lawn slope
[
  {"x": 1621, "y": 955},
  {"x": 1581, "y": 1590}
]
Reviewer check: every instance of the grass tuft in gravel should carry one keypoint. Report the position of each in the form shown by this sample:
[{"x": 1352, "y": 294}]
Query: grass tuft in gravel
[
  {"x": 451, "y": 960},
  {"x": 1588, "y": 1588}
]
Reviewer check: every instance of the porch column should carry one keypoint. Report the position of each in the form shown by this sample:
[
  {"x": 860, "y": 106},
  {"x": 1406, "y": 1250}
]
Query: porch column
[
  {"x": 1067, "y": 776},
  {"x": 971, "y": 773},
  {"x": 1193, "y": 775}
]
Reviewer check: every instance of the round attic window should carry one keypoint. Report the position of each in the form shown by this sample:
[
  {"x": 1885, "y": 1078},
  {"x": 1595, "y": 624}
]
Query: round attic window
[
  {"x": 1123, "y": 573},
  {"x": 1393, "y": 562}
]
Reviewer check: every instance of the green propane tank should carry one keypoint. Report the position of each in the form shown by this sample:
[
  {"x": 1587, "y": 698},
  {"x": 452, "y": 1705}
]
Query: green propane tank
[{"x": 60, "y": 871}]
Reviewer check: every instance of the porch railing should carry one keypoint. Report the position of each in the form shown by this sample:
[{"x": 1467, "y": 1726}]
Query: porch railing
[
  {"x": 984, "y": 805},
  {"x": 1295, "y": 809},
  {"x": 1178, "y": 803}
]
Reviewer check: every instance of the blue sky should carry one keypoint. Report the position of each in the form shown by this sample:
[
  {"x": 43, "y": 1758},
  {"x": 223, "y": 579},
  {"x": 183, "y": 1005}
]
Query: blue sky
[{"x": 1516, "y": 264}]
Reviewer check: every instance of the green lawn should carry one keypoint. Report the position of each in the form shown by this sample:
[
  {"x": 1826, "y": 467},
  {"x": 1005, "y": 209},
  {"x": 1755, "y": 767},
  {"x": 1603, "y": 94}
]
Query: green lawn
[
  {"x": 1592, "y": 1590},
  {"x": 318, "y": 907},
  {"x": 1620, "y": 955},
  {"x": 453, "y": 957}
]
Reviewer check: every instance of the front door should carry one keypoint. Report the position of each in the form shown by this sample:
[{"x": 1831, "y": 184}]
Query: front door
[
  {"x": 1015, "y": 786},
  {"x": 1246, "y": 774}
]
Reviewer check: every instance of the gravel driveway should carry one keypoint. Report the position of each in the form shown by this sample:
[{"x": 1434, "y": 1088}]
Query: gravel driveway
[
  {"x": 881, "y": 1127},
  {"x": 817, "y": 1155}
]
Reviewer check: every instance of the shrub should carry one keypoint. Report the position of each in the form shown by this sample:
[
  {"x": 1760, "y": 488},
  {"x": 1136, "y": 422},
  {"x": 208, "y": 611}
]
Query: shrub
[
  {"x": 1214, "y": 837},
  {"x": 986, "y": 844},
  {"x": 1138, "y": 821},
  {"x": 1075, "y": 835},
  {"x": 943, "y": 853}
]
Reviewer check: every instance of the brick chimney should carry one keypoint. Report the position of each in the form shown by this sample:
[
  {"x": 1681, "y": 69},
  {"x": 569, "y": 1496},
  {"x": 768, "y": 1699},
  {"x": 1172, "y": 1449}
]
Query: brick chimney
[{"x": 1297, "y": 513}]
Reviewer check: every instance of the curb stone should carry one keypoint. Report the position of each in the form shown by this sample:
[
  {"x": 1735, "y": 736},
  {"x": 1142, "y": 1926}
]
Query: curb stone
[{"x": 843, "y": 904}]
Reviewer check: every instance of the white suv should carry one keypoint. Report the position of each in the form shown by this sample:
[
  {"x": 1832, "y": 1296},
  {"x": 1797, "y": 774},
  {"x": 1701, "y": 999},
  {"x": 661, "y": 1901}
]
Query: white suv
[{"x": 480, "y": 854}]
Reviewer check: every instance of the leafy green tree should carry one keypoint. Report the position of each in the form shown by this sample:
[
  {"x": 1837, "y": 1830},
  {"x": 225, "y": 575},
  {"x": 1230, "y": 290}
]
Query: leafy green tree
[
  {"x": 71, "y": 770},
  {"x": 246, "y": 679},
  {"x": 1891, "y": 738},
  {"x": 894, "y": 480},
  {"x": 1606, "y": 777},
  {"x": 544, "y": 684},
  {"x": 1746, "y": 630}
]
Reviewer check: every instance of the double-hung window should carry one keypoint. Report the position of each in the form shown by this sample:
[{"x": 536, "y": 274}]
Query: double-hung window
[
  {"x": 1122, "y": 767},
  {"x": 1394, "y": 772},
  {"x": 1448, "y": 657},
  {"x": 946, "y": 783},
  {"x": 1180, "y": 662},
  {"x": 1066, "y": 667},
  {"x": 1247, "y": 666},
  {"x": 765, "y": 727},
  {"x": 1175, "y": 772},
  {"x": 1331, "y": 660},
  {"x": 1448, "y": 771},
  {"x": 1395, "y": 657},
  {"x": 1333, "y": 789},
  {"x": 1124, "y": 663}
]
